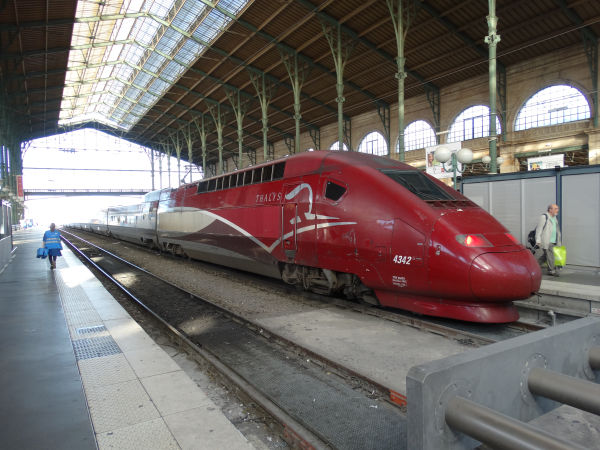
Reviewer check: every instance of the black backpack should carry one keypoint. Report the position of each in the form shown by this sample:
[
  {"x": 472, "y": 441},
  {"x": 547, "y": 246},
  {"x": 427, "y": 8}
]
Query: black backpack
[
  {"x": 531, "y": 238},
  {"x": 531, "y": 235}
]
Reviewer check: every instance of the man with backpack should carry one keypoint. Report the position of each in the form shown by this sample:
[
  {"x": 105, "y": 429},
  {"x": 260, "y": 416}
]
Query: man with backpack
[{"x": 547, "y": 236}]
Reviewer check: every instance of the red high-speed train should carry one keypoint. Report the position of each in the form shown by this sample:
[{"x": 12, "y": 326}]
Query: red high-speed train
[{"x": 368, "y": 227}]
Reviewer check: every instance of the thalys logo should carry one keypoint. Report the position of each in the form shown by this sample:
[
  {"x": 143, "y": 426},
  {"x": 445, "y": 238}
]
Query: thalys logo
[{"x": 268, "y": 197}]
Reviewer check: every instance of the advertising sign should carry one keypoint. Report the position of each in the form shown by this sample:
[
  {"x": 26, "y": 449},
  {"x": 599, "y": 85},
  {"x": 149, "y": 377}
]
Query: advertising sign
[
  {"x": 436, "y": 168},
  {"x": 546, "y": 162}
]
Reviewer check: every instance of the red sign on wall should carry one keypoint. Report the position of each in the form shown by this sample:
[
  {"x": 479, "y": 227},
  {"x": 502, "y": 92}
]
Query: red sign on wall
[{"x": 20, "y": 192}]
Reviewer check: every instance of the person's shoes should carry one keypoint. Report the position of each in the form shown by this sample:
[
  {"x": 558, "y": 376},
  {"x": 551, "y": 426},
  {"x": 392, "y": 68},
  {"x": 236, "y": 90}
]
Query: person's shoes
[
  {"x": 54, "y": 265},
  {"x": 553, "y": 273}
]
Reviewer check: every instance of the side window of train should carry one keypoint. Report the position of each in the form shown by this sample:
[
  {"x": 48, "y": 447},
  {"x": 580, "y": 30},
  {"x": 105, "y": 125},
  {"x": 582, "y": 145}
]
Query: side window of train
[
  {"x": 202, "y": 187},
  {"x": 334, "y": 191},
  {"x": 267, "y": 173},
  {"x": 278, "y": 170}
]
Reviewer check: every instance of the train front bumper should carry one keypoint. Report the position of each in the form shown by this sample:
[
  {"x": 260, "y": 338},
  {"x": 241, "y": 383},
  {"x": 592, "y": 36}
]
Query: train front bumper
[{"x": 513, "y": 275}]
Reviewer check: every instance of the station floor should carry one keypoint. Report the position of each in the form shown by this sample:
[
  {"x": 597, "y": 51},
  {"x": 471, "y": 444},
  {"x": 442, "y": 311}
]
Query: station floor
[{"x": 79, "y": 373}]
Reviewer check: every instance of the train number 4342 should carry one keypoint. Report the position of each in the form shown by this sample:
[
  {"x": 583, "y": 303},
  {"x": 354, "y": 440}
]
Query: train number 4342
[{"x": 399, "y": 259}]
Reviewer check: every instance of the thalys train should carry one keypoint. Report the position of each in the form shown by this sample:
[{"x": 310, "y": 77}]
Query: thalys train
[{"x": 343, "y": 223}]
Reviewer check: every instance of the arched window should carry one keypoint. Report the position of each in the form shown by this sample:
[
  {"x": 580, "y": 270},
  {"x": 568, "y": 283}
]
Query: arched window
[
  {"x": 418, "y": 134},
  {"x": 472, "y": 123},
  {"x": 552, "y": 105},
  {"x": 374, "y": 143},
  {"x": 336, "y": 146}
]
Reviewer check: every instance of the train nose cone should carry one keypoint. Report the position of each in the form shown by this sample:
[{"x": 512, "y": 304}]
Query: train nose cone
[{"x": 505, "y": 276}]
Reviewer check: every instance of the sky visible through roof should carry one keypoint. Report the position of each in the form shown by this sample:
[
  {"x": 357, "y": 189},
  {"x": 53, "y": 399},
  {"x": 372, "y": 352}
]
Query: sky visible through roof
[
  {"x": 126, "y": 54},
  {"x": 89, "y": 159}
]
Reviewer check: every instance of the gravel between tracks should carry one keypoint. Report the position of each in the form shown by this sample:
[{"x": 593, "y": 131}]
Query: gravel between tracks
[{"x": 245, "y": 294}]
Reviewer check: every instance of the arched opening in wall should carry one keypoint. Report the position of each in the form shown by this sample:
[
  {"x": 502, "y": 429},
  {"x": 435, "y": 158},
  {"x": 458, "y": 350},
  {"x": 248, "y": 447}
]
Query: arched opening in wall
[
  {"x": 374, "y": 143},
  {"x": 472, "y": 123},
  {"x": 336, "y": 146},
  {"x": 418, "y": 134},
  {"x": 551, "y": 106}
]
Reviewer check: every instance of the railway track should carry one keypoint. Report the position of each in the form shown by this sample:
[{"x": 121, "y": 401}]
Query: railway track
[
  {"x": 464, "y": 332},
  {"x": 307, "y": 399},
  {"x": 247, "y": 355}
]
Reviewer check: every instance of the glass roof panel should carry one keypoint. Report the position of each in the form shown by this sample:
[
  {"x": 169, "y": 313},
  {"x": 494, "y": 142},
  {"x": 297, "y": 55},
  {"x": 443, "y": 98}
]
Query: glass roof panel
[{"x": 125, "y": 54}]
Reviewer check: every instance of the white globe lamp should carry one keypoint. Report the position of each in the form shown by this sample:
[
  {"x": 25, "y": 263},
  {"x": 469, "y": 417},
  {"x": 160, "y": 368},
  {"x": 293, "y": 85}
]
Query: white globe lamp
[
  {"x": 442, "y": 154},
  {"x": 464, "y": 155}
]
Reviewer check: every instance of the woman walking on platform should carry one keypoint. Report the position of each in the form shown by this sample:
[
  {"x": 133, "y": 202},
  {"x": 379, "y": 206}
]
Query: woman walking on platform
[{"x": 52, "y": 243}]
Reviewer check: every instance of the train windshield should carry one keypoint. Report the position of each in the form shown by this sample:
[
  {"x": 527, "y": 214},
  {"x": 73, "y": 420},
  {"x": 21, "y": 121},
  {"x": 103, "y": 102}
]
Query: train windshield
[{"x": 418, "y": 184}]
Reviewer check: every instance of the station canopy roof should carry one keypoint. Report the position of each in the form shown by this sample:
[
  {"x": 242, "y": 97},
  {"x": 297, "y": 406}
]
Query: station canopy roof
[{"x": 150, "y": 70}]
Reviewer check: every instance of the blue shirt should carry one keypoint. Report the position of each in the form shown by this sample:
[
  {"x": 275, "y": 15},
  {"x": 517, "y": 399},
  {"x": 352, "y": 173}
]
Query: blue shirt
[
  {"x": 52, "y": 240},
  {"x": 554, "y": 224}
]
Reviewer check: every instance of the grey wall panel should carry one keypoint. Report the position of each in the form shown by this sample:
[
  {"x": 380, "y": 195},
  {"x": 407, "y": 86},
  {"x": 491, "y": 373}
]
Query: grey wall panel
[
  {"x": 517, "y": 204},
  {"x": 479, "y": 193},
  {"x": 505, "y": 204},
  {"x": 538, "y": 193},
  {"x": 581, "y": 218}
]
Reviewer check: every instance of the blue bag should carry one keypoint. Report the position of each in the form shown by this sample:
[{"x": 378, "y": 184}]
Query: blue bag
[{"x": 42, "y": 253}]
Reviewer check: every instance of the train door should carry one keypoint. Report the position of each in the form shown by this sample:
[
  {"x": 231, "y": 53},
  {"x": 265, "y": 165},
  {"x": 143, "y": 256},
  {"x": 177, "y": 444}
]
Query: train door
[
  {"x": 288, "y": 229},
  {"x": 298, "y": 224}
]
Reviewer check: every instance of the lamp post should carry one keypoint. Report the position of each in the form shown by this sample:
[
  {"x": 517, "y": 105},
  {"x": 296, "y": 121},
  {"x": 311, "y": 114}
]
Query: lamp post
[{"x": 463, "y": 156}]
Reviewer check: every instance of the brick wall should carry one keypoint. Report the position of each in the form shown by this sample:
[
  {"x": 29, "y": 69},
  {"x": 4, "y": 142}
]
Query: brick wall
[{"x": 567, "y": 66}]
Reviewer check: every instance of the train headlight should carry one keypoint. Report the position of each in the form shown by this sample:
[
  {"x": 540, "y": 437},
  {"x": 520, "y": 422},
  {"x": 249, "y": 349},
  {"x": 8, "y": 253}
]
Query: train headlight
[{"x": 473, "y": 240}]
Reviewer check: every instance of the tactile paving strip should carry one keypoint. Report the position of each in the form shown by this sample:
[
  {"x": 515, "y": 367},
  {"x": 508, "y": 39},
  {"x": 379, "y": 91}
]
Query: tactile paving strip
[
  {"x": 95, "y": 347},
  {"x": 89, "y": 330},
  {"x": 81, "y": 319}
]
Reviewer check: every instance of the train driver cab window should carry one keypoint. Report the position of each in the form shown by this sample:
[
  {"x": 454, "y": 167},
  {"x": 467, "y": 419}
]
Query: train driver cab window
[
  {"x": 334, "y": 191},
  {"x": 417, "y": 183}
]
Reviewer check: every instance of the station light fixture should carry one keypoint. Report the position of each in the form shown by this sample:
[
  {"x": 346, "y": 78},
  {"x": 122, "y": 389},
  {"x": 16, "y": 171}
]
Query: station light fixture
[{"x": 444, "y": 154}]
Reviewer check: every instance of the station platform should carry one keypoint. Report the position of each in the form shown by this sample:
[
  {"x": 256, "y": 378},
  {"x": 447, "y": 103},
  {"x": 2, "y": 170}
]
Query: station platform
[
  {"x": 80, "y": 373},
  {"x": 575, "y": 283},
  {"x": 575, "y": 293}
]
